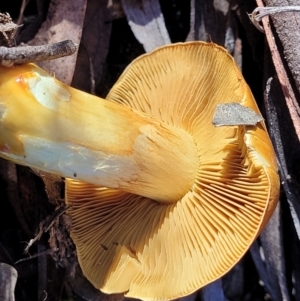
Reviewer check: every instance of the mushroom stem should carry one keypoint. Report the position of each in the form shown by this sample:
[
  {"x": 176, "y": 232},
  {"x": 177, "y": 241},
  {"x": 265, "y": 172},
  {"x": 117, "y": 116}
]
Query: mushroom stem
[{"x": 50, "y": 126}]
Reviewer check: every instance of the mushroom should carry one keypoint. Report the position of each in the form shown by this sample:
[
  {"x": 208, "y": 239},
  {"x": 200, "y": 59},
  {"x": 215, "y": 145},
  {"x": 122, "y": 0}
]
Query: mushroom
[{"x": 163, "y": 202}]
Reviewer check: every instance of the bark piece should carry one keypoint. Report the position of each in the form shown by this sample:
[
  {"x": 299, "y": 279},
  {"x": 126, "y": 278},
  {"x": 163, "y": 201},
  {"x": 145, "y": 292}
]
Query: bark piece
[
  {"x": 281, "y": 263},
  {"x": 54, "y": 186},
  {"x": 93, "y": 47},
  {"x": 287, "y": 26},
  {"x": 64, "y": 21},
  {"x": 286, "y": 84}
]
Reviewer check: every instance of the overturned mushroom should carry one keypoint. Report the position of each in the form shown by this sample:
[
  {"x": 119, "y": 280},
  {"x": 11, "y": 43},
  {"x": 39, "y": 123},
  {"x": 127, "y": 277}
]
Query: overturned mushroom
[{"x": 163, "y": 202}]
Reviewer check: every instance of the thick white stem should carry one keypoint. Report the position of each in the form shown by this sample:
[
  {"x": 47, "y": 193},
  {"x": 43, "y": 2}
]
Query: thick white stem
[{"x": 50, "y": 126}]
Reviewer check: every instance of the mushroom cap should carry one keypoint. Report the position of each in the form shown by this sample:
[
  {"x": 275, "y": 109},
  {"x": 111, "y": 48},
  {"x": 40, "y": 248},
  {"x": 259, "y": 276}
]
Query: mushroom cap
[{"x": 156, "y": 251}]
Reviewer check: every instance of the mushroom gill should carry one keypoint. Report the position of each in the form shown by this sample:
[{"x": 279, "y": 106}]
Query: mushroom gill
[{"x": 159, "y": 251}]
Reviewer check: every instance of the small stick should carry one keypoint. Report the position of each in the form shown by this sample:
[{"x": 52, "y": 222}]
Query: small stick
[
  {"x": 47, "y": 252},
  {"x": 29, "y": 54},
  {"x": 45, "y": 225},
  {"x": 261, "y": 12}
]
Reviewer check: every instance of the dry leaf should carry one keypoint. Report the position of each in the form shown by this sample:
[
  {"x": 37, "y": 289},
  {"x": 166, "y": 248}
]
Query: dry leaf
[{"x": 147, "y": 23}]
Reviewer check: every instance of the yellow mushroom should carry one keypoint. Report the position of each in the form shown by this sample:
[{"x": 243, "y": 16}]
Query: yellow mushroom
[{"x": 163, "y": 201}]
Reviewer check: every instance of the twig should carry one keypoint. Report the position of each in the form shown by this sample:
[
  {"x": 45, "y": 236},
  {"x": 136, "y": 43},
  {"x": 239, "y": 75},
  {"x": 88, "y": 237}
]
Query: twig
[
  {"x": 261, "y": 12},
  {"x": 45, "y": 225},
  {"x": 21, "y": 15},
  {"x": 36, "y": 238},
  {"x": 47, "y": 252},
  {"x": 26, "y": 54},
  {"x": 286, "y": 87}
]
